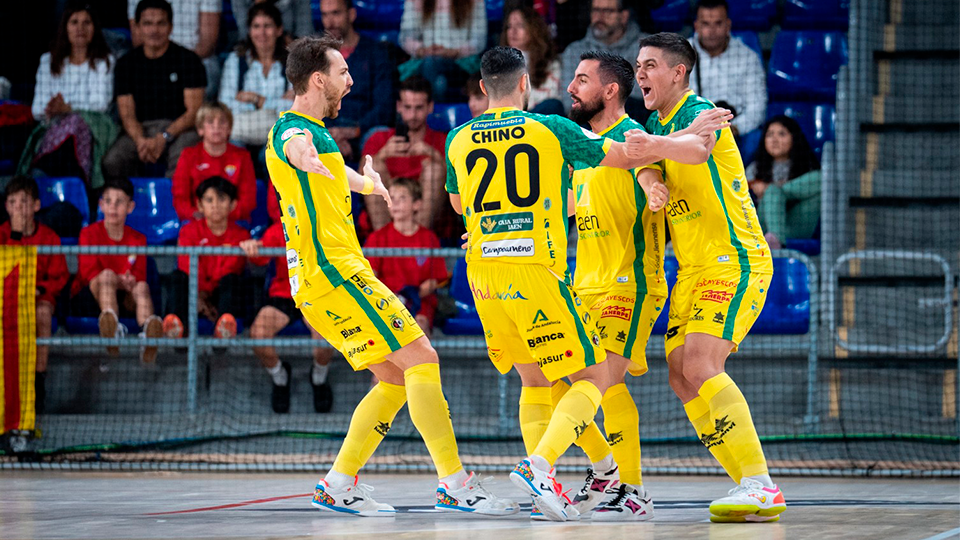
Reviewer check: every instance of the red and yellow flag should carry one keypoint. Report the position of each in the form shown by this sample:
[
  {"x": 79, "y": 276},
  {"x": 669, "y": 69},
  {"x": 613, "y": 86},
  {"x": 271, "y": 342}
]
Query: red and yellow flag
[{"x": 18, "y": 341}]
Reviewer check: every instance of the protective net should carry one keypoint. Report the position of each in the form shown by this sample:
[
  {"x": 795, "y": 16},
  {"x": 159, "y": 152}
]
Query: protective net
[{"x": 845, "y": 118}]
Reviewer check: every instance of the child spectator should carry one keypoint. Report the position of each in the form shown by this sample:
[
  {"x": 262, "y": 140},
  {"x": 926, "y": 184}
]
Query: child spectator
[
  {"x": 115, "y": 285},
  {"x": 476, "y": 99},
  {"x": 22, "y": 202},
  {"x": 214, "y": 156},
  {"x": 414, "y": 278},
  {"x": 280, "y": 311},
  {"x": 220, "y": 279}
]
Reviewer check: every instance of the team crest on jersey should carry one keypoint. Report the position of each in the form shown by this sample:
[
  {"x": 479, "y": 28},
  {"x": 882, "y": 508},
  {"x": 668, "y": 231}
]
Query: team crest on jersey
[
  {"x": 547, "y": 203},
  {"x": 396, "y": 322},
  {"x": 736, "y": 185},
  {"x": 230, "y": 170},
  {"x": 468, "y": 212},
  {"x": 291, "y": 212}
]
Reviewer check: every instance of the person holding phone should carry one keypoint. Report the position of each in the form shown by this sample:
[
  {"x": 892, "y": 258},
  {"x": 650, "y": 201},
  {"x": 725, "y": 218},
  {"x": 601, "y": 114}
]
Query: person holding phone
[{"x": 410, "y": 150}]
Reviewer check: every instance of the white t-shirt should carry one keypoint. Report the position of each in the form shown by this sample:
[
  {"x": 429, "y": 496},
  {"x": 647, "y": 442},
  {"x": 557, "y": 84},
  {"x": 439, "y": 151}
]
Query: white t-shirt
[
  {"x": 186, "y": 18},
  {"x": 84, "y": 89}
]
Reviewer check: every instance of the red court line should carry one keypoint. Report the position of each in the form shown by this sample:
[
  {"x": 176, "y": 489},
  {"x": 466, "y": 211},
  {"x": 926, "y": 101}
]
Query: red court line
[{"x": 232, "y": 505}]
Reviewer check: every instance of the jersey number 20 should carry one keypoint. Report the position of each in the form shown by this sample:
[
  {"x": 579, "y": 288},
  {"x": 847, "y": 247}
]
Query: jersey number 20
[{"x": 510, "y": 173}]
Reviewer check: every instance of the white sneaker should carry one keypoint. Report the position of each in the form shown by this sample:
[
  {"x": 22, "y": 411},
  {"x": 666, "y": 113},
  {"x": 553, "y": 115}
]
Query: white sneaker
[
  {"x": 595, "y": 488},
  {"x": 537, "y": 515},
  {"x": 626, "y": 505},
  {"x": 750, "y": 498},
  {"x": 543, "y": 487},
  {"x": 351, "y": 499},
  {"x": 473, "y": 497}
]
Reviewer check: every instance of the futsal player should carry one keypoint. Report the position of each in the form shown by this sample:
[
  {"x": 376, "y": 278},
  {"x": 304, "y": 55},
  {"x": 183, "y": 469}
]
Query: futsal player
[
  {"x": 507, "y": 174},
  {"x": 725, "y": 270},
  {"x": 341, "y": 298}
]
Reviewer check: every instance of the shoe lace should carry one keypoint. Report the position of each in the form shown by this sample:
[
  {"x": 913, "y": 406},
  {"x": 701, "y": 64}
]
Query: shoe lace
[
  {"x": 618, "y": 500},
  {"x": 364, "y": 489},
  {"x": 747, "y": 484},
  {"x": 587, "y": 483}
]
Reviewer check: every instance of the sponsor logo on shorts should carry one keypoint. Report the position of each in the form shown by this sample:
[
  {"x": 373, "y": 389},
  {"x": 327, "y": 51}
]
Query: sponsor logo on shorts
[
  {"x": 396, "y": 322},
  {"x": 494, "y": 354},
  {"x": 353, "y": 351},
  {"x": 719, "y": 297},
  {"x": 723, "y": 258},
  {"x": 547, "y": 338},
  {"x": 333, "y": 316},
  {"x": 725, "y": 283},
  {"x": 718, "y": 318},
  {"x": 361, "y": 284},
  {"x": 695, "y": 313},
  {"x": 595, "y": 339},
  {"x": 292, "y": 259},
  {"x": 618, "y": 298},
  {"x": 622, "y": 336},
  {"x": 553, "y": 358},
  {"x": 540, "y": 317},
  {"x": 623, "y": 279},
  {"x": 508, "y": 294},
  {"x": 673, "y": 331},
  {"x": 384, "y": 303},
  {"x": 617, "y": 312},
  {"x": 520, "y": 247},
  {"x": 586, "y": 317},
  {"x": 347, "y": 332}
]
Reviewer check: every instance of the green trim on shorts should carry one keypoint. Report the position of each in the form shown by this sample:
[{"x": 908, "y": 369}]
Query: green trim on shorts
[
  {"x": 730, "y": 324},
  {"x": 372, "y": 314},
  {"x": 589, "y": 358},
  {"x": 634, "y": 323}
]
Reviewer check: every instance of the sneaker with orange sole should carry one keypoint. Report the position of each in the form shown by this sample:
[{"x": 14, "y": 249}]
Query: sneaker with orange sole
[
  {"x": 172, "y": 327},
  {"x": 226, "y": 327}
]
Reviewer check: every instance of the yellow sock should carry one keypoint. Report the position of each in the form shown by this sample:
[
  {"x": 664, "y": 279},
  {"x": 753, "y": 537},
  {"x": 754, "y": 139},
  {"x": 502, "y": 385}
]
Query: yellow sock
[
  {"x": 571, "y": 417},
  {"x": 699, "y": 414},
  {"x": 371, "y": 421},
  {"x": 431, "y": 417},
  {"x": 622, "y": 424},
  {"x": 591, "y": 441},
  {"x": 733, "y": 425},
  {"x": 536, "y": 407}
]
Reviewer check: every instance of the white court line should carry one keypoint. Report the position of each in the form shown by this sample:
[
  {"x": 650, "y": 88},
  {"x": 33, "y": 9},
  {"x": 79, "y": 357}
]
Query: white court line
[{"x": 945, "y": 535}]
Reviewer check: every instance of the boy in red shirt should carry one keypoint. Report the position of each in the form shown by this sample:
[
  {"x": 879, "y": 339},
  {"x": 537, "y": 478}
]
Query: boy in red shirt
[
  {"x": 221, "y": 280},
  {"x": 414, "y": 278},
  {"x": 214, "y": 156},
  {"x": 279, "y": 311},
  {"x": 22, "y": 202},
  {"x": 115, "y": 284}
]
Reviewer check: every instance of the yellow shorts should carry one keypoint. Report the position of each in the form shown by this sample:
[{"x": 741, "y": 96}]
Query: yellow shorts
[
  {"x": 624, "y": 324},
  {"x": 717, "y": 300},
  {"x": 530, "y": 315},
  {"x": 362, "y": 319}
]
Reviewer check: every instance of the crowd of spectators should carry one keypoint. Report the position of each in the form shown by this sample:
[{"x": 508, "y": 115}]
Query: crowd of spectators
[{"x": 187, "y": 99}]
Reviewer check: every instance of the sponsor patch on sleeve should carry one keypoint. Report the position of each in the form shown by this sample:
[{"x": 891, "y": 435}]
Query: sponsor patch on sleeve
[{"x": 290, "y": 132}]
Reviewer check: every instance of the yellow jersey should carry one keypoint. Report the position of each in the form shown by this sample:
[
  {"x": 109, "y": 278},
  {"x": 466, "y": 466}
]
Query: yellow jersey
[
  {"x": 620, "y": 241},
  {"x": 711, "y": 217},
  {"x": 322, "y": 246},
  {"x": 510, "y": 169}
]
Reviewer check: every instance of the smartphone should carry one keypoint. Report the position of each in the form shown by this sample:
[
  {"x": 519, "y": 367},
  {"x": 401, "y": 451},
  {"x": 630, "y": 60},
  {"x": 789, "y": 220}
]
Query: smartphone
[{"x": 403, "y": 130}]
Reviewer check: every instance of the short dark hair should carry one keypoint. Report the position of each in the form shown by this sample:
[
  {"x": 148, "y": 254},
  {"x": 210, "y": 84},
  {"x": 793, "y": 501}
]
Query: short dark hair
[
  {"x": 219, "y": 184},
  {"x": 416, "y": 84},
  {"x": 162, "y": 5},
  {"x": 307, "y": 56},
  {"x": 411, "y": 185},
  {"x": 501, "y": 69},
  {"x": 472, "y": 88},
  {"x": 20, "y": 183},
  {"x": 613, "y": 69},
  {"x": 118, "y": 182},
  {"x": 675, "y": 46},
  {"x": 712, "y": 4}
]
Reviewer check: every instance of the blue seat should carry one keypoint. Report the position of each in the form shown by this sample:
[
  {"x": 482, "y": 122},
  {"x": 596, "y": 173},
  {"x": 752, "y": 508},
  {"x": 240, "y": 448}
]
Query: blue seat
[
  {"x": 748, "y": 145},
  {"x": 447, "y": 116},
  {"x": 385, "y": 36},
  {"x": 805, "y": 65},
  {"x": 154, "y": 215},
  {"x": 378, "y": 14},
  {"x": 750, "y": 39},
  {"x": 816, "y": 120},
  {"x": 294, "y": 329},
  {"x": 672, "y": 15},
  {"x": 494, "y": 10},
  {"x": 753, "y": 14},
  {"x": 807, "y": 246},
  {"x": 467, "y": 322},
  {"x": 260, "y": 217},
  {"x": 67, "y": 189},
  {"x": 816, "y": 14}
]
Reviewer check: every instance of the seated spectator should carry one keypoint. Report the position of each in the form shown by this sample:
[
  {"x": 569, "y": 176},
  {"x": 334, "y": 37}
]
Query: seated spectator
[
  {"x": 476, "y": 99},
  {"x": 214, "y": 156},
  {"x": 280, "y": 311},
  {"x": 22, "y": 203},
  {"x": 374, "y": 89},
  {"x": 196, "y": 26},
  {"x": 610, "y": 30},
  {"x": 297, "y": 18},
  {"x": 727, "y": 70},
  {"x": 415, "y": 279},
  {"x": 114, "y": 286},
  {"x": 785, "y": 177},
  {"x": 73, "y": 93},
  {"x": 524, "y": 29},
  {"x": 254, "y": 85},
  {"x": 411, "y": 150},
  {"x": 159, "y": 87},
  {"x": 221, "y": 284},
  {"x": 444, "y": 39}
]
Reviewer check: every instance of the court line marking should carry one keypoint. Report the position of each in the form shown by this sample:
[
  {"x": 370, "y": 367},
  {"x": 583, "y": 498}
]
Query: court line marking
[
  {"x": 231, "y": 505},
  {"x": 944, "y": 535}
]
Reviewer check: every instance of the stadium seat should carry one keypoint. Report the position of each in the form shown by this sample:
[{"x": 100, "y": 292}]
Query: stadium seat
[
  {"x": 447, "y": 116},
  {"x": 748, "y": 145},
  {"x": 68, "y": 189},
  {"x": 815, "y": 119},
  {"x": 466, "y": 322},
  {"x": 750, "y": 39},
  {"x": 672, "y": 15},
  {"x": 805, "y": 65},
  {"x": 753, "y": 14},
  {"x": 377, "y": 14},
  {"x": 386, "y": 36},
  {"x": 816, "y": 14},
  {"x": 494, "y": 10},
  {"x": 154, "y": 215},
  {"x": 260, "y": 217}
]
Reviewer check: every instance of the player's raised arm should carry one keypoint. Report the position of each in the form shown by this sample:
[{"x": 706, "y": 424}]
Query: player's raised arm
[
  {"x": 368, "y": 183},
  {"x": 302, "y": 154}
]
